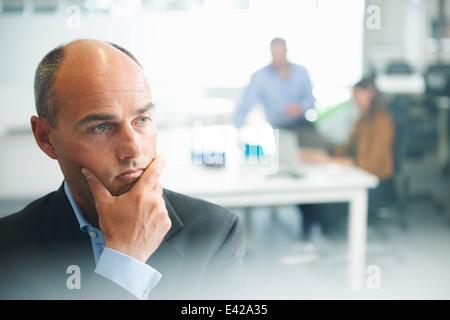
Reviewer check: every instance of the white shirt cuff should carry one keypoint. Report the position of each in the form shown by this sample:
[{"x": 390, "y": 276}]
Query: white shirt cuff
[{"x": 133, "y": 275}]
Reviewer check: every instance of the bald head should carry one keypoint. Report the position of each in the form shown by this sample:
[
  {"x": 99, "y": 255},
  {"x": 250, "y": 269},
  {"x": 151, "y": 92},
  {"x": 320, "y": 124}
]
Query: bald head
[
  {"x": 87, "y": 61},
  {"x": 95, "y": 57}
]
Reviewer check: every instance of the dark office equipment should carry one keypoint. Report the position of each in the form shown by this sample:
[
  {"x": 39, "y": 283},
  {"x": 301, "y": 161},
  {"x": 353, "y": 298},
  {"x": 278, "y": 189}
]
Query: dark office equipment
[
  {"x": 437, "y": 80},
  {"x": 402, "y": 142},
  {"x": 398, "y": 67},
  {"x": 415, "y": 137},
  {"x": 417, "y": 132}
]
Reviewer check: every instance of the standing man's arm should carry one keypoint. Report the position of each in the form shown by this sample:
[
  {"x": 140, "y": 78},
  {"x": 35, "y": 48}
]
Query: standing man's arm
[
  {"x": 250, "y": 97},
  {"x": 307, "y": 97},
  {"x": 305, "y": 100}
]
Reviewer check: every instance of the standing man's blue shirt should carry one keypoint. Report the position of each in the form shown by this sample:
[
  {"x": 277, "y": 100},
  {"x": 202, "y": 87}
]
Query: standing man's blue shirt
[{"x": 274, "y": 93}]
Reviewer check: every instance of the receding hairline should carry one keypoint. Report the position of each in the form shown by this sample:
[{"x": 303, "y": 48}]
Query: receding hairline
[
  {"x": 90, "y": 42},
  {"x": 46, "y": 98}
]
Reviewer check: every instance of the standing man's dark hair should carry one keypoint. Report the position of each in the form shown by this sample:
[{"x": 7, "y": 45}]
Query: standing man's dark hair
[{"x": 278, "y": 40}]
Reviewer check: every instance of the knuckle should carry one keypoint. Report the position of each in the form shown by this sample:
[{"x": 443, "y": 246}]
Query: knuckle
[
  {"x": 142, "y": 197},
  {"x": 167, "y": 223}
]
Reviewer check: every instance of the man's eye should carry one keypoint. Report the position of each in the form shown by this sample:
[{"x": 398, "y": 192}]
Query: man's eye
[
  {"x": 143, "y": 120},
  {"x": 100, "y": 128}
]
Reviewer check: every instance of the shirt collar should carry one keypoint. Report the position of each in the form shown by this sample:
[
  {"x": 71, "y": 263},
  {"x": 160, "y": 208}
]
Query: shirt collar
[
  {"x": 84, "y": 225},
  {"x": 97, "y": 240}
]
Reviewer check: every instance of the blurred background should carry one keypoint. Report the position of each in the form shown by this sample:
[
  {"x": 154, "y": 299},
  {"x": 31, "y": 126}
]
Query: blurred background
[{"x": 199, "y": 56}]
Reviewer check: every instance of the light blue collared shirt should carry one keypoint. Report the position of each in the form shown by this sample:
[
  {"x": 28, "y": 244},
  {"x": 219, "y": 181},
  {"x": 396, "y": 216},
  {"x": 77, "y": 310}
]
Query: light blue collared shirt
[
  {"x": 269, "y": 89},
  {"x": 133, "y": 275}
]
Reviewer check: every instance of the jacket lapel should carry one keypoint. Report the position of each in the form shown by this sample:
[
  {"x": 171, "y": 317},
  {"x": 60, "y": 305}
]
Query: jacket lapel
[
  {"x": 69, "y": 246},
  {"x": 167, "y": 259}
]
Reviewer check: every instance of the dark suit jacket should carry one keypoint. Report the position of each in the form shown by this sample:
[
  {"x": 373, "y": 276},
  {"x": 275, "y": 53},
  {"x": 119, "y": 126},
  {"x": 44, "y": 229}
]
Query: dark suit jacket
[{"x": 200, "y": 257}]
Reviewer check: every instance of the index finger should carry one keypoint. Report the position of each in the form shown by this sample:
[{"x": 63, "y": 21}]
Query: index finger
[{"x": 151, "y": 174}]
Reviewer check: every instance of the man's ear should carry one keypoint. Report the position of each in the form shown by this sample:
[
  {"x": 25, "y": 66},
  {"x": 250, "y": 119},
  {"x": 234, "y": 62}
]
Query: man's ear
[{"x": 42, "y": 134}]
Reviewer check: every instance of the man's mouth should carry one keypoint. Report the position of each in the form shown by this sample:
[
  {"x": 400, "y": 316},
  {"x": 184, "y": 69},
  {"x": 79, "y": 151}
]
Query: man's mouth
[{"x": 130, "y": 174}]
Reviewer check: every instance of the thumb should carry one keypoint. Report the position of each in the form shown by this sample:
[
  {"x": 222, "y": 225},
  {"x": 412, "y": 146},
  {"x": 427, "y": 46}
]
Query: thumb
[{"x": 98, "y": 189}]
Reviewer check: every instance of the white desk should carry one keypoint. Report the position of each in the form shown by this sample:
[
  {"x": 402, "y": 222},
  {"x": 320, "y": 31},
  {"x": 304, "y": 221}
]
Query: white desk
[
  {"x": 401, "y": 84},
  {"x": 242, "y": 186}
]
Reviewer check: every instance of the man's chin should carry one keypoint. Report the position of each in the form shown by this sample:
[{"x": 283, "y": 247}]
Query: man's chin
[{"x": 125, "y": 188}]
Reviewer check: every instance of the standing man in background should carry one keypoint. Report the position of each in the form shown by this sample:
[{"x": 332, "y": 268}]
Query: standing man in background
[{"x": 285, "y": 91}]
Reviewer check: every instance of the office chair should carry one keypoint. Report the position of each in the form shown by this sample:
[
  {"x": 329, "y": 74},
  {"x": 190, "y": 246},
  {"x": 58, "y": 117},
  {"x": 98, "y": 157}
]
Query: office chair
[
  {"x": 401, "y": 145},
  {"x": 392, "y": 196},
  {"x": 398, "y": 67},
  {"x": 415, "y": 137},
  {"x": 437, "y": 80}
]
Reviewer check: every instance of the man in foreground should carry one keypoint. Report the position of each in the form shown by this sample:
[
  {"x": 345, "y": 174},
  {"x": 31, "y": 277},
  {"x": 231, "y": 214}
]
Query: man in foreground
[{"x": 111, "y": 230}]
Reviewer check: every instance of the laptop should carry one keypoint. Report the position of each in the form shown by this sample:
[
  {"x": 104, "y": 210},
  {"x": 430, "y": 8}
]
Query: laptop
[{"x": 288, "y": 148}]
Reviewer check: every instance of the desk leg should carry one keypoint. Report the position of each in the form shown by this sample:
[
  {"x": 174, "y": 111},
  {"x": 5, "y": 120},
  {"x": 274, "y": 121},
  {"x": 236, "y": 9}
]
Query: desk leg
[
  {"x": 357, "y": 238},
  {"x": 248, "y": 229}
]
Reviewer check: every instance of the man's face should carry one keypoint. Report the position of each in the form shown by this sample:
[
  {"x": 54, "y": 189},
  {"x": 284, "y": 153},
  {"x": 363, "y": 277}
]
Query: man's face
[
  {"x": 105, "y": 124},
  {"x": 279, "y": 53}
]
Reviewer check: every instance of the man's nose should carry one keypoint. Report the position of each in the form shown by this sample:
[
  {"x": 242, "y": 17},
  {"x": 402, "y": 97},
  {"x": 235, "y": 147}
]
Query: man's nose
[{"x": 129, "y": 146}]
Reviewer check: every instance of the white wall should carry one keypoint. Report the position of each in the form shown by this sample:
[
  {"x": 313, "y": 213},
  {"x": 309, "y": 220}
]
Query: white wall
[{"x": 190, "y": 50}]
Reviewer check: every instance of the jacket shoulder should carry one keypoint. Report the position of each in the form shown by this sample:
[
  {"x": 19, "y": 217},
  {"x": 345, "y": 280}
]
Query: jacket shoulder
[
  {"x": 205, "y": 223},
  {"x": 190, "y": 209},
  {"x": 22, "y": 222}
]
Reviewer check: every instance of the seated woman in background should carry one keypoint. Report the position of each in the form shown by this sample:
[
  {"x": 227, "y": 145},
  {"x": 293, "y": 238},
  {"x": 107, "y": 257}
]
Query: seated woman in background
[{"x": 370, "y": 147}]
